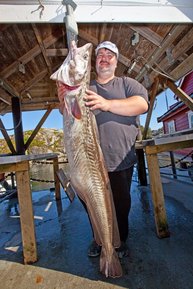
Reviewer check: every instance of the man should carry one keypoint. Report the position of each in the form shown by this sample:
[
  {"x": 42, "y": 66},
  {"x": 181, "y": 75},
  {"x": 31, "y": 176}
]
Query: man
[{"x": 117, "y": 102}]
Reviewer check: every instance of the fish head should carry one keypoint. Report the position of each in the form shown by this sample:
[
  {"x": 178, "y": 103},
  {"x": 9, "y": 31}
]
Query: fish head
[
  {"x": 76, "y": 67},
  {"x": 72, "y": 75},
  {"x": 79, "y": 64}
]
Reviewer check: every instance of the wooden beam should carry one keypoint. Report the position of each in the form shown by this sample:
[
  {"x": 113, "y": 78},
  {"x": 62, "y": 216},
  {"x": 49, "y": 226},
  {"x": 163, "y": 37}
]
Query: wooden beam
[
  {"x": 47, "y": 100},
  {"x": 7, "y": 138},
  {"x": 40, "y": 106},
  {"x": 152, "y": 99},
  {"x": 168, "y": 41},
  {"x": 122, "y": 59},
  {"x": 3, "y": 108},
  {"x": 13, "y": 167},
  {"x": 182, "y": 69},
  {"x": 34, "y": 80},
  {"x": 179, "y": 92},
  {"x": 56, "y": 52},
  {"x": 87, "y": 37},
  {"x": 5, "y": 100},
  {"x": 178, "y": 54},
  {"x": 24, "y": 59},
  {"x": 42, "y": 48},
  {"x": 102, "y": 35},
  {"x": 179, "y": 50},
  {"x": 149, "y": 34},
  {"x": 29, "y": 55},
  {"x": 9, "y": 88},
  {"x": 36, "y": 130},
  {"x": 168, "y": 147}
]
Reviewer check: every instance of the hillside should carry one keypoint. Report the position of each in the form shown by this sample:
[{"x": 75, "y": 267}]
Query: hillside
[{"x": 46, "y": 141}]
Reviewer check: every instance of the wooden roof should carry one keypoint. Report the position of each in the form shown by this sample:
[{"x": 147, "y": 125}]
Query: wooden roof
[{"x": 30, "y": 53}]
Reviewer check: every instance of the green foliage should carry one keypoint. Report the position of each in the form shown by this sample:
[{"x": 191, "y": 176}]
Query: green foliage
[
  {"x": 149, "y": 132},
  {"x": 47, "y": 140},
  {"x": 4, "y": 149}
]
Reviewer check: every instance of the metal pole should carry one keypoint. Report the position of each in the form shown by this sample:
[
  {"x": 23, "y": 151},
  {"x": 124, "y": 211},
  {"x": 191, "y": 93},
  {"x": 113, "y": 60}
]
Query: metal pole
[{"x": 71, "y": 25}]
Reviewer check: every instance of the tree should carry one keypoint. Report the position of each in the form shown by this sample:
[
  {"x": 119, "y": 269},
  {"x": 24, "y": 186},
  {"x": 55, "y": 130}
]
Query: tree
[{"x": 149, "y": 132}]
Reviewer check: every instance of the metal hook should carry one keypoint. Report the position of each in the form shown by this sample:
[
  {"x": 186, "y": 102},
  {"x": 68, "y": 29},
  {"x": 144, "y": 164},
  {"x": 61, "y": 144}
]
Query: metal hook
[{"x": 71, "y": 25}]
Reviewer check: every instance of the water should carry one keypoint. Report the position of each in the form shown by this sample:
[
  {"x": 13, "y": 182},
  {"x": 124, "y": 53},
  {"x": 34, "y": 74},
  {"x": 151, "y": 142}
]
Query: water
[{"x": 42, "y": 175}]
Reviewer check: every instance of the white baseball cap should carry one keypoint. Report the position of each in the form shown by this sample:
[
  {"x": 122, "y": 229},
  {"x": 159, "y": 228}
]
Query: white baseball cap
[{"x": 108, "y": 45}]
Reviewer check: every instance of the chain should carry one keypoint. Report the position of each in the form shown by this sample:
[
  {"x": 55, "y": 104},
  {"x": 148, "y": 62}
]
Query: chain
[
  {"x": 45, "y": 163},
  {"x": 51, "y": 181},
  {"x": 41, "y": 181},
  {"x": 178, "y": 161}
]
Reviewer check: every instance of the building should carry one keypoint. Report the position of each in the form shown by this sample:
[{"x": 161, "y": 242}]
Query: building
[{"x": 179, "y": 117}]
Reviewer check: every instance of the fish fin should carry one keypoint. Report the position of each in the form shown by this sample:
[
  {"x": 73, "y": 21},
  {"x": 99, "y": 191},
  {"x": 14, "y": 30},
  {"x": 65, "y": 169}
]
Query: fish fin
[
  {"x": 116, "y": 237},
  {"x": 94, "y": 226},
  {"x": 111, "y": 267},
  {"x": 75, "y": 109},
  {"x": 115, "y": 231}
]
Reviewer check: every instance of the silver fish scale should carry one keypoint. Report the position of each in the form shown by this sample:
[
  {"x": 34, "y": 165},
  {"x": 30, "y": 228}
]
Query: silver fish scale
[
  {"x": 88, "y": 173},
  {"x": 87, "y": 158}
]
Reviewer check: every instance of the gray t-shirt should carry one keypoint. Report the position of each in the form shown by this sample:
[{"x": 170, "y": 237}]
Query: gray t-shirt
[{"x": 118, "y": 133}]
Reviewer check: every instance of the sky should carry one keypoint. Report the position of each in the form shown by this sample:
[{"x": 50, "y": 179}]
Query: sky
[
  {"x": 162, "y": 103},
  {"x": 54, "y": 120}
]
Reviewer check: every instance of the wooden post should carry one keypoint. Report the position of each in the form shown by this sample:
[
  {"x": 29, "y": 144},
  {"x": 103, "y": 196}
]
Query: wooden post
[
  {"x": 157, "y": 196},
  {"x": 141, "y": 167},
  {"x": 20, "y": 165},
  {"x": 57, "y": 183},
  {"x": 173, "y": 165},
  {"x": 26, "y": 213},
  {"x": 18, "y": 128},
  {"x": 152, "y": 99}
]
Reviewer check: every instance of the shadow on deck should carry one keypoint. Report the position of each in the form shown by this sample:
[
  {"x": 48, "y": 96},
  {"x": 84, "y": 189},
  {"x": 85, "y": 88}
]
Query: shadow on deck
[{"x": 63, "y": 235}]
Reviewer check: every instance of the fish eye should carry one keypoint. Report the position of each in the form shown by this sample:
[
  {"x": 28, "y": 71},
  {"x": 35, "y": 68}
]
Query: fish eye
[{"x": 85, "y": 57}]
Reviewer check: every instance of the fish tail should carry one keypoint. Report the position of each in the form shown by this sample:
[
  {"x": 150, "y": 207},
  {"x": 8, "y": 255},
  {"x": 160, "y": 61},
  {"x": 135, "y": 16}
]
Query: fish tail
[{"x": 110, "y": 265}]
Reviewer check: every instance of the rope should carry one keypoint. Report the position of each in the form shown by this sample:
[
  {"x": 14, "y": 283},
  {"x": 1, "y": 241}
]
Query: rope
[{"x": 13, "y": 128}]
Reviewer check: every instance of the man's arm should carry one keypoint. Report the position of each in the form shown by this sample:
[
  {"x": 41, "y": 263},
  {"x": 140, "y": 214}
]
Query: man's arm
[{"x": 131, "y": 106}]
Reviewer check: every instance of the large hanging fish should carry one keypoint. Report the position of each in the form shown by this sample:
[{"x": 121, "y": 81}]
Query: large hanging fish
[{"x": 88, "y": 174}]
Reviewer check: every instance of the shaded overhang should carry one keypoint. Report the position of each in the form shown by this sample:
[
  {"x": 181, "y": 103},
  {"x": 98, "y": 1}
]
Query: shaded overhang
[{"x": 140, "y": 11}]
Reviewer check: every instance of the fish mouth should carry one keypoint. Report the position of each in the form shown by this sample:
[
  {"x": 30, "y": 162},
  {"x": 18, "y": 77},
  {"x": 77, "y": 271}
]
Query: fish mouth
[{"x": 75, "y": 109}]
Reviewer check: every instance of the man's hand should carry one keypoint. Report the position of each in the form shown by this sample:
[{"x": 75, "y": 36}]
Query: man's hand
[{"x": 95, "y": 101}]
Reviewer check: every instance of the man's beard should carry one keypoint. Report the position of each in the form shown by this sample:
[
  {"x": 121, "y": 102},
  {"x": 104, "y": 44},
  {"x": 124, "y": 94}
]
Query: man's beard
[{"x": 107, "y": 70}]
